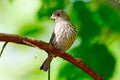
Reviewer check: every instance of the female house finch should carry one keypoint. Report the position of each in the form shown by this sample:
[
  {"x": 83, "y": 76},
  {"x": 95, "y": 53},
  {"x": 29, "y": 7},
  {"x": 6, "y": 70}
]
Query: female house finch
[{"x": 63, "y": 35}]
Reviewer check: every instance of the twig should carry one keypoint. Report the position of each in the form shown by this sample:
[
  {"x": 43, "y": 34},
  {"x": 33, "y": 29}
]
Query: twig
[
  {"x": 49, "y": 68},
  {"x": 50, "y": 49},
  {"x": 3, "y": 48}
]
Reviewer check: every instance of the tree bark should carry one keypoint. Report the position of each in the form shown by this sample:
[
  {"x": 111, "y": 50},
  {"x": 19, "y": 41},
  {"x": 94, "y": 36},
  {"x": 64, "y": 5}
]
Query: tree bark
[{"x": 50, "y": 49}]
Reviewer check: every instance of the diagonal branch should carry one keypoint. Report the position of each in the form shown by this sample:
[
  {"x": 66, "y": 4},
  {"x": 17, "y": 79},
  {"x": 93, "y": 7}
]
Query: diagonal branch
[{"x": 50, "y": 49}]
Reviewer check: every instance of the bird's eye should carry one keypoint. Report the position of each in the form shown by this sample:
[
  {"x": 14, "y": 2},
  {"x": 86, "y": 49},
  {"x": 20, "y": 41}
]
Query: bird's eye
[{"x": 58, "y": 14}]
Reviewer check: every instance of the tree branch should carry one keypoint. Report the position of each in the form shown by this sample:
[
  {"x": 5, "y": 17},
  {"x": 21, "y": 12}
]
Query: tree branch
[{"x": 50, "y": 49}]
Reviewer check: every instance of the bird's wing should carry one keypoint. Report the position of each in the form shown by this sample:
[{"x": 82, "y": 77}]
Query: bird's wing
[{"x": 52, "y": 38}]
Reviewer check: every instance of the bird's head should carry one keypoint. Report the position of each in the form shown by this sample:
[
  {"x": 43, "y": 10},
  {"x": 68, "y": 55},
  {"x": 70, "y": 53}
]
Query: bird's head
[{"x": 59, "y": 15}]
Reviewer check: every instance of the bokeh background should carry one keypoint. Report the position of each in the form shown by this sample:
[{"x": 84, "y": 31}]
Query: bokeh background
[{"x": 97, "y": 43}]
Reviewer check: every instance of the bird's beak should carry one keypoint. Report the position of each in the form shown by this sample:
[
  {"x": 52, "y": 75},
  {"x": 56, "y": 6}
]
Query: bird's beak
[{"x": 52, "y": 17}]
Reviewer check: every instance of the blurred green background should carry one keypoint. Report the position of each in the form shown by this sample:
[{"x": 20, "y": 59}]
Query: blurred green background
[{"x": 97, "y": 43}]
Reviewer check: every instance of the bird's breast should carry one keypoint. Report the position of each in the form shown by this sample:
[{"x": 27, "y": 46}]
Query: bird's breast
[{"x": 64, "y": 35}]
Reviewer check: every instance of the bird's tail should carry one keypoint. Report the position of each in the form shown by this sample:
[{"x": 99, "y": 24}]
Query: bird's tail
[{"x": 46, "y": 63}]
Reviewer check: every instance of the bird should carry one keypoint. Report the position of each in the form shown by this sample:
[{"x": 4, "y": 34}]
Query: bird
[{"x": 63, "y": 36}]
